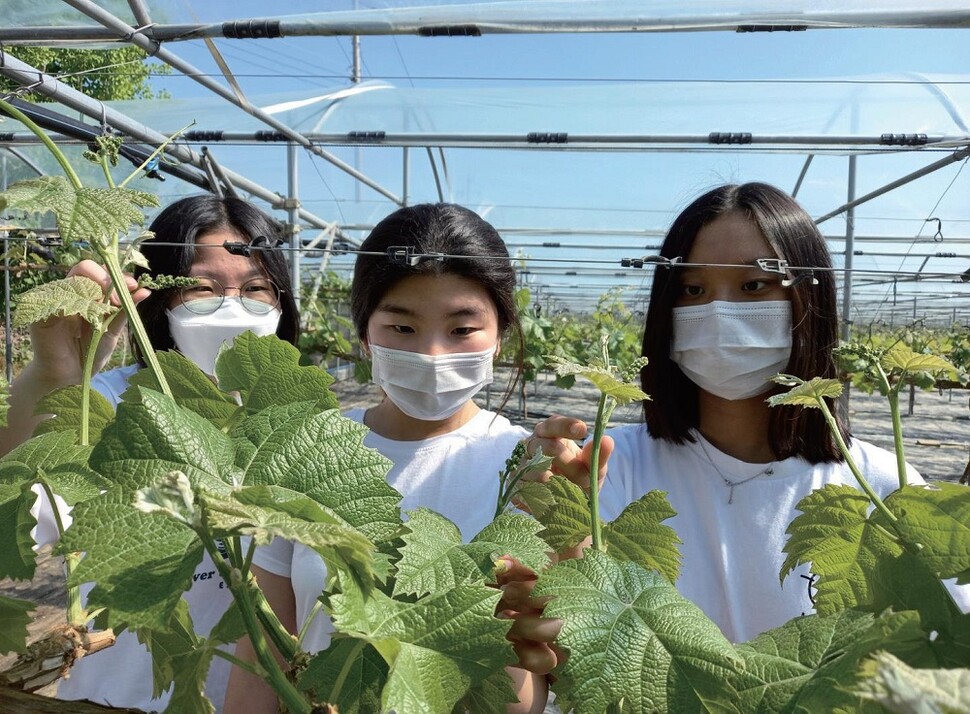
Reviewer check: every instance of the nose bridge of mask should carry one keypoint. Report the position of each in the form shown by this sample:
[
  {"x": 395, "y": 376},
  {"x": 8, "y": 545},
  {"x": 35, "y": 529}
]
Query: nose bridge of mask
[
  {"x": 432, "y": 374},
  {"x": 729, "y": 324}
]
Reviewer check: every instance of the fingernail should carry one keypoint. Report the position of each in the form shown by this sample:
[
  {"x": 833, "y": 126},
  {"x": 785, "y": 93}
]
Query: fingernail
[
  {"x": 576, "y": 430},
  {"x": 501, "y": 566}
]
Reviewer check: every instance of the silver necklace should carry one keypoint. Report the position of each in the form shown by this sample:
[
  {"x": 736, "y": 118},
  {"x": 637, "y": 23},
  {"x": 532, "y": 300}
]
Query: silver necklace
[{"x": 766, "y": 471}]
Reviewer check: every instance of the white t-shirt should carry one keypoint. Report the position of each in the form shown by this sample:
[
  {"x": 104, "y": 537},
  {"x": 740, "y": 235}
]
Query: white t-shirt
[
  {"x": 455, "y": 474},
  {"x": 732, "y": 552},
  {"x": 121, "y": 675}
]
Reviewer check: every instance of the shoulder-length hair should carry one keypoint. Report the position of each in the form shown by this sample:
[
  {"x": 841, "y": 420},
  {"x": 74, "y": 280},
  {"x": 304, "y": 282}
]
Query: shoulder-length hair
[
  {"x": 672, "y": 411},
  {"x": 171, "y": 251},
  {"x": 471, "y": 247}
]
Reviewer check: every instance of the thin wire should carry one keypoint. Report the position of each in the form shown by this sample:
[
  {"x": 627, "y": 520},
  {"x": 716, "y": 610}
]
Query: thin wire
[{"x": 572, "y": 261}]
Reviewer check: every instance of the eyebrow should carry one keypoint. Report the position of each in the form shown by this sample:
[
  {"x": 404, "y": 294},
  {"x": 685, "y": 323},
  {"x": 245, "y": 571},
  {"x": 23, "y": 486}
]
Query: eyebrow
[{"x": 393, "y": 309}]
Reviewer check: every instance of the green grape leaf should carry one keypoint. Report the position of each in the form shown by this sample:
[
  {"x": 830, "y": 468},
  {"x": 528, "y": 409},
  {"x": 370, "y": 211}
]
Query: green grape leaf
[
  {"x": 81, "y": 213},
  {"x": 65, "y": 405},
  {"x": 901, "y": 358},
  {"x": 489, "y": 696},
  {"x": 179, "y": 657},
  {"x": 53, "y": 458},
  {"x": 536, "y": 496},
  {"x": 847, "y": 550},
  {"x": 432, "y": 558},
  {"x": 191, "y": 388},
  {"x": 321, "y": 455},
  {"x": 140, "y": 563},
  {"x": 351, "y": 667},
  {"x": 19, "y": 561},
  {"x": 512, "y": 534},
  {"x": 902, "y": 689},
  {"x": 75, "y": 295},
  {"x": 567, "y": 522},
  {"x": 638, "y": 534},
  {"x": 937, "y": 517},
  {"x": 829, "y": 688},
  {"x": 14, "y": 619},
  {"x": 778, "y": 663},
  {"x": 151, "y": 436},
  {"x": 632, "y": 639},
  {"x": 437, "y": 648},
  {"x": 339, "y": 544},
  {"x": 266, "y": 372},
  {"x": 604, "y": 379},
  {"x": 805, "y": 393}
]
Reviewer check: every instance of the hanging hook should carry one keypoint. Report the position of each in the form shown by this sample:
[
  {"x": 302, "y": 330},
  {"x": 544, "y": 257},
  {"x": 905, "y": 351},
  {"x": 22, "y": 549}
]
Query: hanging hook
[{"x": 938, "y": 236}]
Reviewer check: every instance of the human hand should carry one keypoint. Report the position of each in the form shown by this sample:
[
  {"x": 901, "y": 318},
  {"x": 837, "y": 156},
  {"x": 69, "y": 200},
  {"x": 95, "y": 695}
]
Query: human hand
[
  {"x": 557, "y": 436},
  {"x": 60, "y": 343},
  {"x": 532, "y": 636}
]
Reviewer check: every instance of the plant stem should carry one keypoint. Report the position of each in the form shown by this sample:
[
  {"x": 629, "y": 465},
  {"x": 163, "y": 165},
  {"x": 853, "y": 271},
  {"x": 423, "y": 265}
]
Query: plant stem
[
  {"x": 594, "y": 471},
  {"x": 75, "y": 612},
  {"x": 134, "y": 320},
  {"x": 860, "y": 479},
  {"x": 892, "y": 393},
  {"x": 898, "y": 435},
  {"x": 240, "y": 589},
  {"x": 51, "y": 146},
  {"x": 87, "y": 369},
  {"x": 107, "y": 172}
]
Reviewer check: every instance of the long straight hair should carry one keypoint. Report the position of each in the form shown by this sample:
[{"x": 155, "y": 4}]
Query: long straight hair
[
  {"x": 171, "y": 251},
  {"x": 473, "y": 249},
  {"x": 672, "y": 411}
]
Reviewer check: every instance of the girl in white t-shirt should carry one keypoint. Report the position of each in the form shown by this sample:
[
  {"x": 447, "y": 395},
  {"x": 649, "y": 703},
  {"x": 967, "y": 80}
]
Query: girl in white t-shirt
[
  {"x": 718, "y": 327},
  {"x": 205, "y": 237},
  {"x": 433, "y": 296}
]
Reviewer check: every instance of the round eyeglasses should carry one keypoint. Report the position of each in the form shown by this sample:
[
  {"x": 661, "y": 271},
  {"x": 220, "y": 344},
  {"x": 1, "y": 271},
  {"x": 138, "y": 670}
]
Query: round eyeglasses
[{"x": 258, "y": 296}]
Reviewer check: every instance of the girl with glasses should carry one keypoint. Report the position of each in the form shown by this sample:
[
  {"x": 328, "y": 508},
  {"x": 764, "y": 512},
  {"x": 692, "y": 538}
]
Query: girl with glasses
[
  {"x": 433, "y": 297},
  {"x": 207, "y": 238}
]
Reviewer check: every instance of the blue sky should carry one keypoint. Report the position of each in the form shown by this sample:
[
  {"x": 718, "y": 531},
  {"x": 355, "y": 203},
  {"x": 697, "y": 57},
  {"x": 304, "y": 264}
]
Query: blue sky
[{"x": 627, "y": 191}]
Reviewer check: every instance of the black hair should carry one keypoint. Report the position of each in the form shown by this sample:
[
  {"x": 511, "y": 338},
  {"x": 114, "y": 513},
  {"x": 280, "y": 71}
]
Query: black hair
[
  {"x": 672, "y": 411},
  {"x": 171, "y": 251},
  {"x": 473, "y": 249}
]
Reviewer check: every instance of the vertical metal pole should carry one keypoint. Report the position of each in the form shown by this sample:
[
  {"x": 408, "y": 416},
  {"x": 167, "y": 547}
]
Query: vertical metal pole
[
  {"x": 293, "y": 216},
  {"x": 7, "y": 334},
  {"x": 407, "y": 177},
  {"x": 847, "y": 277}
]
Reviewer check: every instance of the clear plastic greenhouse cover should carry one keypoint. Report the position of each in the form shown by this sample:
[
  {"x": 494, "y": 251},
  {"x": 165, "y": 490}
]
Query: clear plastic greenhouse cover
[{"x": 621, "y": 136}]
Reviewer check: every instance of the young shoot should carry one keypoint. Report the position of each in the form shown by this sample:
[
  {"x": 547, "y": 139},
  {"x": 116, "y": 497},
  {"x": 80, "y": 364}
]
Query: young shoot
[
  {"x": 889, "y": 370},
  {"x": 516, "y": 466},
  {"x": 616, "y": 387}
]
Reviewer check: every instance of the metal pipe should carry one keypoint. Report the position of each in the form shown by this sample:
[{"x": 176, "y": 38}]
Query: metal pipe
[
  {"x": 546, "y": 17},
  {"x": 24, "y": 74},
  {"x": 140, "y": 11},
  {"x": 155, "y": 49},
  {"x": 575, "y": 142},
  {"x": 920, "y": 173},
  {"x": 25, "y": 159},
  {"x": 293, "y": 222}
]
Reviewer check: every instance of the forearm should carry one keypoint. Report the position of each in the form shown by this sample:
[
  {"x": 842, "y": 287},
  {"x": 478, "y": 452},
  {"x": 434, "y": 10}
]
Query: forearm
[
  {"x": 246, "y": 693},
  {"x": 531, "y": 690},
  {"x": 30, "y": 386}
]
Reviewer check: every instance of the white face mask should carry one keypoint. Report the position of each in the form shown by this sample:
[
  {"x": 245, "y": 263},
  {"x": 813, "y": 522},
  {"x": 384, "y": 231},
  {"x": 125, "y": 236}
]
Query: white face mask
[
  {"x": 732, "y": 349},
  {"x": 200, "y": 337},
  {"x": 430, "y": 387}
]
